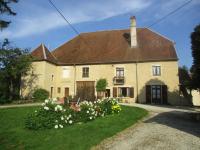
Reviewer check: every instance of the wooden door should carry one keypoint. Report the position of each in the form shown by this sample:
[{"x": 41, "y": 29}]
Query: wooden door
[
  {"x": 85, "y": 90},
  {"x": 66, "y": 92}
]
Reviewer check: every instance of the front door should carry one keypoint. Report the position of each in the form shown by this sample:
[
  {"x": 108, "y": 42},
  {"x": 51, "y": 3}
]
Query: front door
[
  {"x": 66, "y": 92},
  {"x": 156, "y": 94}
]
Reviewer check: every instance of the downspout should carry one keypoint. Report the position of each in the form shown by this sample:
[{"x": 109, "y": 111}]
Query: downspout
[
  {"x": 74, "y": 80},
  {"x": 137, "y": 99}
]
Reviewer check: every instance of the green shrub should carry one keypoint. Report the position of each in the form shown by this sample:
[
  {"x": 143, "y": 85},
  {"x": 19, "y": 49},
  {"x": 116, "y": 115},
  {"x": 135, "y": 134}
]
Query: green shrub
[
  {"x": 52, "y": 115},
  {"x": 40, "y": 94}
]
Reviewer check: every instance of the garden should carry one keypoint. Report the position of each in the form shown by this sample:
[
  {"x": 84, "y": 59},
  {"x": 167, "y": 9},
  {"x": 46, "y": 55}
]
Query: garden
[{"x": 55, "y": 126}]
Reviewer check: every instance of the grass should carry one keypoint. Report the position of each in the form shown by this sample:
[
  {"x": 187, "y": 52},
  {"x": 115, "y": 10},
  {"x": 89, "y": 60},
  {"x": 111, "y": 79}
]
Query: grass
[{"x": 13, "y": 135}]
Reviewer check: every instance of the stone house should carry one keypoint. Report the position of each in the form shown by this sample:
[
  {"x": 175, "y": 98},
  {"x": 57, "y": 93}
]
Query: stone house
[{"x": 139, "y": 64}]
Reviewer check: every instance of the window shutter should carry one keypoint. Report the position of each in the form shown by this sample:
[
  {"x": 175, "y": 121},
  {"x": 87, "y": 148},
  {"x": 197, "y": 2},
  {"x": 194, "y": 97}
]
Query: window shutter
[
  {"x": 131, "y": 92},
  {"x": 114, "y": 92},
  {"x": 164, "y": 94},
  {"x": 148, "y": 93}
]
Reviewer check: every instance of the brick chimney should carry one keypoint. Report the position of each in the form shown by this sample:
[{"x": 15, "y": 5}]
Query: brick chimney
[{"x": 133, "y": 33}]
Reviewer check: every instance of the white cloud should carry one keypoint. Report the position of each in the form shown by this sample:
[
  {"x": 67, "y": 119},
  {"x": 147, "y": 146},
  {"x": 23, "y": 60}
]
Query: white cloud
[{"x": 37, "y": 19}]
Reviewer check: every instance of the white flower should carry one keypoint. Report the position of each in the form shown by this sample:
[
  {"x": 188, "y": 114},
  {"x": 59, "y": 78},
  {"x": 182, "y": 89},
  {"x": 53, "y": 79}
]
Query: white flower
[
  {"x": 43, "y": 104},
  {"x": 46, "y": 101},
  {"x": 46, "y": 108},
  {"x": 56, "y": 126},
  {"x": 90, "y": 118},
  {"x": 65, "y": 121},
  {"x": 87, "y": 112},
  {"x": 60, "y": 125},
  {"x": 56, "y": 108},
  {"x": 70, "y": 116},
  {"x": 62, "y": 118},
  {"x": 70, "y": 122},
  {"x": 67, "y": 118},
  {"x": 56, "y": 120}
]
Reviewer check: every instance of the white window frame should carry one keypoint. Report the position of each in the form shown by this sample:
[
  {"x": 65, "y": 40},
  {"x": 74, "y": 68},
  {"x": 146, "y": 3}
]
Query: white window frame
[
  {"x": 152, "y": 70},
  {"x": 83, "y": 72}
]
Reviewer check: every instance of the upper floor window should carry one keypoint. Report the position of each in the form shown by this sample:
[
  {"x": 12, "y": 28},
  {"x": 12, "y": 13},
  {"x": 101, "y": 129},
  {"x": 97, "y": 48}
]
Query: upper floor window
[
  {"x": 120, "y": 72},
  {"x": 66, "y": 73},
  {"x": 85, "y": 72},
  {"x": 156, "y": 70}
]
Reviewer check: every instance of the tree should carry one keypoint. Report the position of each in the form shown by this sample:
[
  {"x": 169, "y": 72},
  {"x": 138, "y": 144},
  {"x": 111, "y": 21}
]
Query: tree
[
  {"x": 5, "y": 9},
  {"x": 14, "y": 63},
  {"x": 101, "y": 87},
  {"x": 195, "y": 69},
  {"x": 185, "y": 81}
]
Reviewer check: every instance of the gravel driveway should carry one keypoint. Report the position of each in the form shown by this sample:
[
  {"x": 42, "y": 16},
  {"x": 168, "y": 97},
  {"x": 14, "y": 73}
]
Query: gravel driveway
[{"x": 163, "y": 129}]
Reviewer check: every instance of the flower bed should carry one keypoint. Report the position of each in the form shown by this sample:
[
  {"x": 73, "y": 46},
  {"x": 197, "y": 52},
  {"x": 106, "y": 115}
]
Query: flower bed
[{"x": 52, "y": 115}]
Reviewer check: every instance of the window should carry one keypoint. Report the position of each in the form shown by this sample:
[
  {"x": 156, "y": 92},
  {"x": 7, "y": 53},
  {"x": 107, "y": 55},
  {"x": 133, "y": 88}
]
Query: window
[
  {"x": 120, "y": 72},
  {"x": 85, "y": 72},
  {"x": 58, "y": 90},
  {"x": 66, "y": 73},
  {"x": 52, "y": 77},
  {"x": 156, "y": 70},
  {"x": 126, "y": 92}
]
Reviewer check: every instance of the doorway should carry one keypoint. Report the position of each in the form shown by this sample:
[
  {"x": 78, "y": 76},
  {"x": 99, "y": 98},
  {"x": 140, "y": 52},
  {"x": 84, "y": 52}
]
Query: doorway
[{"x": 66, "y": 94}]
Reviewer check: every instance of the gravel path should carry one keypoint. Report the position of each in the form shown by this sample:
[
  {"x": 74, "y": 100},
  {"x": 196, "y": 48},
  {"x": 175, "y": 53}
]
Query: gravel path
[{"x": 171, "y": 129}]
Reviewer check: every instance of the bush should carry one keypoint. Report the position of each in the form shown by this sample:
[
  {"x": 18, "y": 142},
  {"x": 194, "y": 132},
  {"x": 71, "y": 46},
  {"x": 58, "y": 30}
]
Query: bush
[
  {"x": 40, "y": 94},
  {"x": 52, "y": 115}
]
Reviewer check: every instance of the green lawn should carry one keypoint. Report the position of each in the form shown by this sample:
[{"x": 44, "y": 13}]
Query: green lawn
[{"x": 13, "y": 135}]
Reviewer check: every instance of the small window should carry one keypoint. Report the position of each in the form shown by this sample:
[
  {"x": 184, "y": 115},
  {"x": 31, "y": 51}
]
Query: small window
[
  {"x": 156, "y": 70},
  {"x": 85, "y": 72},
  {"x": 59, "y": 90},
  {"x": 120, "y": 72},
  {"x": 52, "y": 77}
]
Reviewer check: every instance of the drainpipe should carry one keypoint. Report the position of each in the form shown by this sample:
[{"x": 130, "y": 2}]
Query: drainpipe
[
  {"x": 74, "y": 80},
  {"x": 137, "y": 99}
]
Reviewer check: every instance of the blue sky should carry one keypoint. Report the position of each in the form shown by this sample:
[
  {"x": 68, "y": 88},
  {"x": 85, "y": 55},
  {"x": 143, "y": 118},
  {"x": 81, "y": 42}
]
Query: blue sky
[{"x": 37, "y": 22}]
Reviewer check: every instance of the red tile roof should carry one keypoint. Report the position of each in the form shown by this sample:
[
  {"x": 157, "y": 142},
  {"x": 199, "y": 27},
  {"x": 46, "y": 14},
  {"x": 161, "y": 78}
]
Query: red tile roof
[
  {"x": 42, "y": 53},
  {"x": 114, "y": 47}
]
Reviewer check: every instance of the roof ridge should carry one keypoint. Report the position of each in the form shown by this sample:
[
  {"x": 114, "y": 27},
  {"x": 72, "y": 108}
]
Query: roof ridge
[{"x": 44, "y": 52}]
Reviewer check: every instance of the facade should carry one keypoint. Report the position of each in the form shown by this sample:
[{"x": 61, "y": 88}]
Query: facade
[{"x": 139, "y": 64}]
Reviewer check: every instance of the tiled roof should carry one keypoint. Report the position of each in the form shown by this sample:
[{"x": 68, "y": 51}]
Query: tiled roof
[
  {"x": 42, "y": 53},
  {"x": 114, "y": 47}
]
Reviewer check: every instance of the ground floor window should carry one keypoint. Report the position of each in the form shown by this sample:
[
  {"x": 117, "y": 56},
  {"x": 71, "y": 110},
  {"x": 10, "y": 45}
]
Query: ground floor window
[
  {"x": 59, "y": 90},
  {"x": 123, "y": 92}
]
